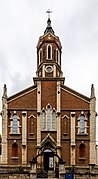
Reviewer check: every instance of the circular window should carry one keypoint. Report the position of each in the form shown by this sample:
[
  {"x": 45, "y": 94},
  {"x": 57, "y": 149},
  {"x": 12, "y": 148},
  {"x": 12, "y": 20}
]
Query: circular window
[{"x": 49, "y": 69}]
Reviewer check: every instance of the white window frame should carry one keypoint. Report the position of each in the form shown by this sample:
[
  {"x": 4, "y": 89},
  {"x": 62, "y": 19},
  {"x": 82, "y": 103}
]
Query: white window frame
[
  {"x": 54, "y": 119},
  {"x": 48, "y": 118},
  {"x": 48, "y": 123},
  {"x": 85, "y": 125},
  {"x": 40, "y": 56},
  {"x": 43, "y": 120},
  {"x": 49, "y": 45},
  {"x": 58, "y": 56},
  {"x": 82, "y": 123},
  {"x": 15, "y": 124}
]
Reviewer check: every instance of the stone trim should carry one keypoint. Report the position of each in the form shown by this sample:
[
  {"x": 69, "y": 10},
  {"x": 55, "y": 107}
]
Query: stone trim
[
  {"x": 24, "y": 137},
  {"x": 4, "y": 157},
  {"x": 38, "y": 113},
  {"x": 72, "y": 115},
  {"x": 58, "y": 112},
  {"x": 93, "y": 131}
]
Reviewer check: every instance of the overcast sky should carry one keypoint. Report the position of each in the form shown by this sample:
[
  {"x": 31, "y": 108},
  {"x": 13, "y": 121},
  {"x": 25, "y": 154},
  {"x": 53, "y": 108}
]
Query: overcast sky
[{"x": 22, "y": 22}]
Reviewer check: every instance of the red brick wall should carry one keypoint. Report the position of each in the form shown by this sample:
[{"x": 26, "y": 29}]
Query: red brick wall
[
  {"x": 72, "y": 102},
  {"x": 25, "y": 101},
  {"x": 31, "y": 150},
  {"x": 12, "y": 160},
  {"x": 66, "y": 151},
  {"x": 48, "y": 93}
]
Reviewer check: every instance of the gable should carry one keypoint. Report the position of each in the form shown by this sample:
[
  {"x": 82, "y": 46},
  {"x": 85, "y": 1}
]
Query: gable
[
  {"x": 48, "y": 141},
  {"x": 73, "y": 100},
  {"x": 23, "y": 99}
]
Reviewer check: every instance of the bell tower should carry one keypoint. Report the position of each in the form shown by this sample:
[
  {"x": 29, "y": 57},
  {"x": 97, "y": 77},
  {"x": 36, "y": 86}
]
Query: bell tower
[
  {"x": 48, "y": 80},
  {"x": 49, "y": 53}
]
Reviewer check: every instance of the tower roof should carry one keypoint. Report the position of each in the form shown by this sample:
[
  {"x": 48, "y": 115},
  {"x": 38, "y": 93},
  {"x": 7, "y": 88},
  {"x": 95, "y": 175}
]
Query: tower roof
[{"x": 49, "y": 27}]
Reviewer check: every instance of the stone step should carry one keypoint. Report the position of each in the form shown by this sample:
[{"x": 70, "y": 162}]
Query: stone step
[{"x": 51, "y": 174}]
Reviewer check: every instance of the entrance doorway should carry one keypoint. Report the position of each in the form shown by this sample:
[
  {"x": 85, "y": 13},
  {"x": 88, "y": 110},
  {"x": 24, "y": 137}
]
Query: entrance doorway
[{"x": 48, "y": 160}]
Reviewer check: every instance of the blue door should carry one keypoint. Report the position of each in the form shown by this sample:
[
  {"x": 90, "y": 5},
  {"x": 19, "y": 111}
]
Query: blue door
[{"x": 68, "y": 176}]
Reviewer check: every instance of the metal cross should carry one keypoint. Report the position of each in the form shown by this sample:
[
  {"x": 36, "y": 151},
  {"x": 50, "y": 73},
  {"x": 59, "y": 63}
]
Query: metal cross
[{"x": 49, "y": 13}]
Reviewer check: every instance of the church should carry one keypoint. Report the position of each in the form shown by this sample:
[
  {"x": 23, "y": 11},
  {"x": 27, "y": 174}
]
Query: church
[{"x": 48, "y": 122}]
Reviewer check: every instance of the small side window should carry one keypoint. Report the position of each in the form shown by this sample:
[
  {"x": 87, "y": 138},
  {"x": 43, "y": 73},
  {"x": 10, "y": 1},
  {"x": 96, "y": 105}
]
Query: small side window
[{"x": 82, "y": 125}]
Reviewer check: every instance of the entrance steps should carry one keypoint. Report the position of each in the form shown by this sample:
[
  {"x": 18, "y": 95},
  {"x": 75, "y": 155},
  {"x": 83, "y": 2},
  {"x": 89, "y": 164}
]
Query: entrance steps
[{"x": 51, "y": 174}]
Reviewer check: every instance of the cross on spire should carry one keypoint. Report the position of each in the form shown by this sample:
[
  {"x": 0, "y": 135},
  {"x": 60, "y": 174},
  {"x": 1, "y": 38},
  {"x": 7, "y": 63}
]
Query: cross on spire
[{"x": 49, "y": 13}]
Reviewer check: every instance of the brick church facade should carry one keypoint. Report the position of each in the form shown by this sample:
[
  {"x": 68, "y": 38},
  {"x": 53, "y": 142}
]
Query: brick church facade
[{"x": 48, "y": 121}]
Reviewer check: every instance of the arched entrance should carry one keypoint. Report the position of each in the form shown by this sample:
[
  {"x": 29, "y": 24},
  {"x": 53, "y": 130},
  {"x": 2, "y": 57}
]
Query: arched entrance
[{"x": 48, "y": 160}]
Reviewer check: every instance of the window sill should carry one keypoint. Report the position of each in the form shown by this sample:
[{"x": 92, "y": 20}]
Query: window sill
[
  {"x": 82, "y": 134},
  {"x": 82, "y": 158},
  {"x": 48, "y": 130},
  {"x": 14, "y": 133},
  {"x": 14, "y": 158},
  {"x": 31, "y": 133},
  {"x": 65, "y": 134}
]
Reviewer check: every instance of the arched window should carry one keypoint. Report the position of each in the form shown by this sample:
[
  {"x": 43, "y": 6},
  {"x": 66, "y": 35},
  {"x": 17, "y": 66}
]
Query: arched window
[
  {"x": 15, "y": 127},
  {"x": 53, "y": 119},
  {"x": 40, "y": 56},
  {"x": 82, "y": 151},
  {"x": 15, "y": 150},
  {"x": 48, "y": 117},
  {"x": 82, "y": 125},
  {"x": 49, "y": 52},
  {"x": 31, "y": 124},
  {"x": 57, "y": 56},
  {"x": 43, "y": 119}
]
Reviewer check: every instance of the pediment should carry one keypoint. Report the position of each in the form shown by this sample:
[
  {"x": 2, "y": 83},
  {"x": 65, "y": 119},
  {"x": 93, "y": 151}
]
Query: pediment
[{"x": 48, "y": 142}]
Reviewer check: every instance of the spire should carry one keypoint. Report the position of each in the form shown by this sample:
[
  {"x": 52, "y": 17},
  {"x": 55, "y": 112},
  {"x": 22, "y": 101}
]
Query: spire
[
  {"x": 92, "y": 91},
  {"x": 5, "y": 91},
  {"x": 49, "y": 27}
]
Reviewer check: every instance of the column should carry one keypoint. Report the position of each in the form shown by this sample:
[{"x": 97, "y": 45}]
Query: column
[
  {"x": 54, "y": 71},
  {"x": 58, "y": 117},
  {"x": 93, "y": 130},
  {"x": 38, "y": 113},
  {"x": 43, "y": 71},
  {"x": 24, "y": 137},
  {"x": 4, "y": 126},
  {"x": 72, "y": 138}
]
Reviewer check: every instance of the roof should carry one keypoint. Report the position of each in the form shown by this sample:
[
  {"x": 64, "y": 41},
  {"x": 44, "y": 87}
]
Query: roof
[
  {"x": 23, "y": 92},
  {"x": 75, "y": 93},
  {"x": 49, "y": 27}
]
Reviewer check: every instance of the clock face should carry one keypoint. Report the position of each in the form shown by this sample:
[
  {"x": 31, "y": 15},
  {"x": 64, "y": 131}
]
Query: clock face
[{"x": 49, "y": 69}]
